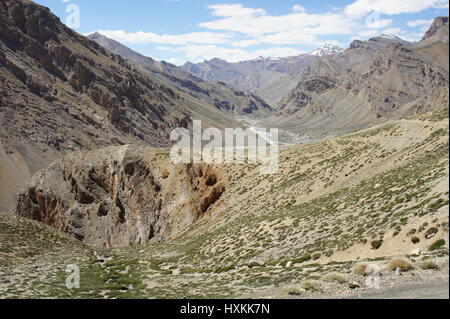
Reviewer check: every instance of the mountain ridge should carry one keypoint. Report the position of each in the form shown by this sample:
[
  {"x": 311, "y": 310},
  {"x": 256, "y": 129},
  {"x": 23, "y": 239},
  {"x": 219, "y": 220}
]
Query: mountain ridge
[
  {"x": 61, "y": 92},
  {"x": 217, "y": 94}
]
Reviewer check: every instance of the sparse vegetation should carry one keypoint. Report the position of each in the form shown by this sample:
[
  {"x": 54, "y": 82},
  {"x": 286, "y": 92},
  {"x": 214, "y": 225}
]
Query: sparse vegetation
[
  {"x": 400, "y": 263},
  {"x": 360, "y": 269},
  {"x": 428, "y": 264},
  {"x": 376, "y": 244},
  {"x": 294, "y": 290},
  {"x": 282, "y": 219},
  {"x": 335, "y": 277},
  {"x": 437, "y": 245},
  {"x": 312, "y": 285}
]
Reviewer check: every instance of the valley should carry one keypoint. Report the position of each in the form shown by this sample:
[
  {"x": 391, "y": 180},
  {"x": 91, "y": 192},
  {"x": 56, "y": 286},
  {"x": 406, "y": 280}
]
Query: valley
[{"x": 361, "y": 189}]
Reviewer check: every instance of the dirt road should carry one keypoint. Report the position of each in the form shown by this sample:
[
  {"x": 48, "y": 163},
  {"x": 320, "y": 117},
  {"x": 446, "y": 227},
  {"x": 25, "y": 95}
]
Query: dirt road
[{"x": 429, "y": 290}]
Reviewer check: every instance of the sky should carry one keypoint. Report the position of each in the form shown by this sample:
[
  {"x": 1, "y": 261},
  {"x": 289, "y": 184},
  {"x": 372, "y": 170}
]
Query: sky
[{"x": 178, "y": 31}]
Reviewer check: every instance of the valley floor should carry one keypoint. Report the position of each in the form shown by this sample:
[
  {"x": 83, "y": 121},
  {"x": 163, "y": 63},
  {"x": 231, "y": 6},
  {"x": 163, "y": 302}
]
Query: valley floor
[{"x": 335, "y": 210}]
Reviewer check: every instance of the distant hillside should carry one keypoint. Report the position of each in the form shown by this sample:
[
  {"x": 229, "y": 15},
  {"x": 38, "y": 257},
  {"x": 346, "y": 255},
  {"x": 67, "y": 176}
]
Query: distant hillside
[
  {"x": 267, "y": 77},
  {"x": 369, "y": 83},
  {"x": 215, "y": 93}
]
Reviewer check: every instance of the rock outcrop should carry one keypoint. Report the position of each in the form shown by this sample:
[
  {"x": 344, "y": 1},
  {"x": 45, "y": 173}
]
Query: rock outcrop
[{"x": 121, "y": 196}]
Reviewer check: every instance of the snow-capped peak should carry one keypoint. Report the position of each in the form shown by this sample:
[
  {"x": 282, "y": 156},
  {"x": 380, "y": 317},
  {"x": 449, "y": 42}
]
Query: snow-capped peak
[{"x": 328, "y": 48}]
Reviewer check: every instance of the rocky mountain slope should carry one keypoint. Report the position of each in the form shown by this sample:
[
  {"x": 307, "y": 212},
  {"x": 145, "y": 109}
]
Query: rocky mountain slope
[
  {"x": 61, "y": 92},
  {"x": 273, "y": 79},
  {"x": 437, "y": 32},
  {"x": 399, "y": 80},
  {"x": 267, "y": 77},
  {"x": 358, "y": 53},
  {"x": 332, "y": 209},
  {"x": 215, "y": 93}
]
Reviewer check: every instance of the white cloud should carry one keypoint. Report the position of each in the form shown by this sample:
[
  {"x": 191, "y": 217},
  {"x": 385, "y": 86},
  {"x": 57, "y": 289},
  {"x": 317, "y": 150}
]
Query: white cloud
[
  {"x": 298, "y": 8},
  {"x": 368, "y": 33},
  {"x": 417, "y": 23},
  {"x": 235, "y": 10},
  {"x": 377, "y": 24},
  {"x": 176, "y": 61},
  {"x": 330, "y": 23},
  {"x": 199, "y": 53},
  {"x": 360, "y": 8},
  {"x": 394, "y": 31},
  {"x": 240, "y": 27},
  {"x": 180, "y": 39},
  {"x": 245, "y": 43}
]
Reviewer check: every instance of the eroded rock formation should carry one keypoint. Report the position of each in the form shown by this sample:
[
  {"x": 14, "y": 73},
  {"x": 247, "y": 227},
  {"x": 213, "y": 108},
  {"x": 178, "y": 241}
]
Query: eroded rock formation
[{"x": 121, "y": 196}]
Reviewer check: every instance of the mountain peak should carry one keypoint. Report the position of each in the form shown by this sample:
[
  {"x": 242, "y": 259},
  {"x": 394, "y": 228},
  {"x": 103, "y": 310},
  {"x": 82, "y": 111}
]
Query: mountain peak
[
  {"x": 95, "y": 35},
  {"x": 438, "y": 23},
  {"x": 328, "y": 48}
]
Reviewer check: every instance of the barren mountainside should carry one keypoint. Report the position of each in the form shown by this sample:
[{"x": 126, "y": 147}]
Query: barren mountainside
[
  {"x": 267, "y": 77},
  {"x": 333, "y": 206},
  {"x": 62, "y": 92},
  {"x": 88, "y": 181},
  {"x": 215, "y": 93},
  {"x": 390, "y": 83}
]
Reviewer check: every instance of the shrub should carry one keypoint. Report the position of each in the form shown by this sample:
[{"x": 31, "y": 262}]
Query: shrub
[
  {"x": 415, "y": 240},
  {"x": 359, "y": 269},
  {"x": 312, "y": 285},
  {"x": 293, "y": 290},
  {"x": 431, "y": 232},
  {"x": 429, "y": 265},
  {"x": 376, "y": 243},
  {"x": 402, "y": 263},
  {"x": 335, "y": 277},
  {"x": 302, "y": 259},
  {"x": 436, "y": 245},
  {"x": 316, "y": 256},
  {"x": 329, "y": 253}
]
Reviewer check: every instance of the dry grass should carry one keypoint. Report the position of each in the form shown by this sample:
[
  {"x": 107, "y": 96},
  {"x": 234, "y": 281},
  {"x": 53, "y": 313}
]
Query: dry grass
[
  {"x": 359, "y": 269},
  {"x": 312, "y": 286},
  {"x": 429, "y": 265},
  {"x": 293, "y": 290},
  {"x": 401, "y": 263},
  {"x": 335, "y": 277}
]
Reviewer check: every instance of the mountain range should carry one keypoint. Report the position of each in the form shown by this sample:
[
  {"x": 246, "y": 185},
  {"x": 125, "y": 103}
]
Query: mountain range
[
  {"x": 62, "y": 92},
  {"x": 87, "y": 179},
  {"x": 213, "y": 93}
]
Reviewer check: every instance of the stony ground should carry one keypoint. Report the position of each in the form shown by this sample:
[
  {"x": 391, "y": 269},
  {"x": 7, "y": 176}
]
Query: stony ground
[{"x": 334, "y": 208}]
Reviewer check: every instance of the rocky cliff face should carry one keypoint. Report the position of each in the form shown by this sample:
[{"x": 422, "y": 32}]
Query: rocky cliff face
[
  {"x": 121, "y": 196},
  {"x": 55, "y": 65}
]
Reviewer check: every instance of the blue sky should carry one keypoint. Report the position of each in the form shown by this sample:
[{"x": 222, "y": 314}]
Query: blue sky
[{"x": 195, "y": 30}]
